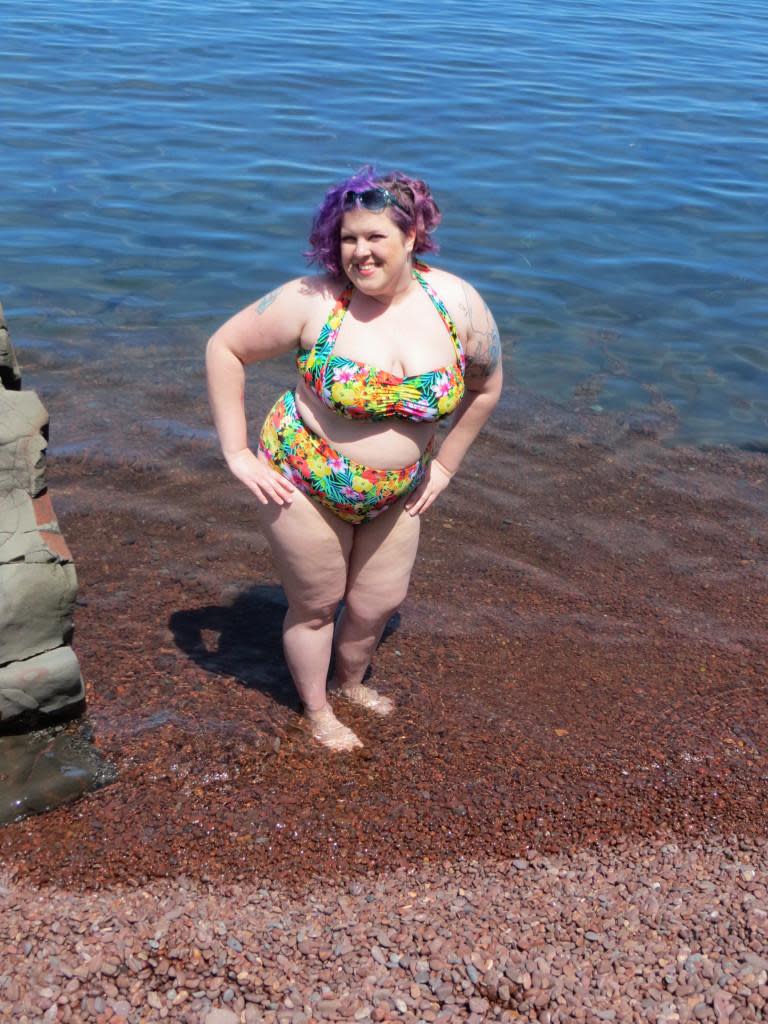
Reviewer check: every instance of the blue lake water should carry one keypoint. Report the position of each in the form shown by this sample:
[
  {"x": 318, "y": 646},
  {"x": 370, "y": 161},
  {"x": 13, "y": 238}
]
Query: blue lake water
[{"x": 601, "y": 166}]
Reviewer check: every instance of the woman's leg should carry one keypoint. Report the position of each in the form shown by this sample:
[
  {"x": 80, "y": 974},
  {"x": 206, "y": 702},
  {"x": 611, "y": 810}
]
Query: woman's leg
[
  {"x": 311, "y": 549},
  {"x": 380, "y": 564}
]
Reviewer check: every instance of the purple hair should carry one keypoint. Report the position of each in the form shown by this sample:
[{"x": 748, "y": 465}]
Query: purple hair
[{"x": 422, "y": 217}]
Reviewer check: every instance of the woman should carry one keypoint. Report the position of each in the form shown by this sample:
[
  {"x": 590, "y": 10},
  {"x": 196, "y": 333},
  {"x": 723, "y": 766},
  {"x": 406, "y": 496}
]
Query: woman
[{"x": 347, "y": 461}]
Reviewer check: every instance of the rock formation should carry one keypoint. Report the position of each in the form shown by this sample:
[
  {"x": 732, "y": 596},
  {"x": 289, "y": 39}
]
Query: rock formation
[{"x": 40, "y": 679}]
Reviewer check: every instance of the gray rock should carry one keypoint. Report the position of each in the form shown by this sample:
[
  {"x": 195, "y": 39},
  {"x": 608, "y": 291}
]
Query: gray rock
[
  {"x": 221, "y": 1017},
  {"x": 40, "y": 681},
  {"x": 23, "y": 420},
  {"x": 10, "y": 375},
  {"x": 39, "y": 674},
  {"x": 20, "y": 539},
  {"x": 45, "y": 684},
  {"x": 36, "y": 604}
]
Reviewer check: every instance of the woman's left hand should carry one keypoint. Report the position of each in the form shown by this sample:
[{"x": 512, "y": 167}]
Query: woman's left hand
[{"x": 435, "y": 481}]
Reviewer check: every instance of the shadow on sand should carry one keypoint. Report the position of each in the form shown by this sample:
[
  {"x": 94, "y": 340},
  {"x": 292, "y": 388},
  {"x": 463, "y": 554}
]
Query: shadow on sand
[{"x": 243, "y": 641}]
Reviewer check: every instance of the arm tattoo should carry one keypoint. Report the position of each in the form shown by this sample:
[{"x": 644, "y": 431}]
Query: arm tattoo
[
  {"x": 267, "y": 301},
  {"x": 484, "y": 344}
]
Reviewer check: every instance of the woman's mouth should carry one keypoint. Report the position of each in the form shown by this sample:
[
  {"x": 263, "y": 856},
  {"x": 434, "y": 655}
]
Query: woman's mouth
[{"x": 365, "y": 269}]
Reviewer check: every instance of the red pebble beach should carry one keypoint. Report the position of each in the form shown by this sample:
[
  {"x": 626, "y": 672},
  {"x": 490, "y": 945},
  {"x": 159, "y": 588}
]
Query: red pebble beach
[{"x": 564, "y": 820}]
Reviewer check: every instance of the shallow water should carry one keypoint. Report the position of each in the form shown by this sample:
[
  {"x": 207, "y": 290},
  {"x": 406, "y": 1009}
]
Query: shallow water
[
  {"x": 45, "y": 768},
  {"x": 601, "y": 167}
]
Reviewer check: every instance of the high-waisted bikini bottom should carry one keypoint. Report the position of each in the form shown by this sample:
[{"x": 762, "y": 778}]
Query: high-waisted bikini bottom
[{"x": 352, "y": 491}]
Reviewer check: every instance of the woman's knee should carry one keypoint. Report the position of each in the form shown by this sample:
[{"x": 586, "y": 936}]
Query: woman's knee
[
  {"x": 374, "y": 607},
  {"x": 313, "y": 613}
]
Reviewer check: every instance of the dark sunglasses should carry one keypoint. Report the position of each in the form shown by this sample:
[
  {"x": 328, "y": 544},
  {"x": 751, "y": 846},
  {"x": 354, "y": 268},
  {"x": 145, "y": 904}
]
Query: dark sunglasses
[{"x": 373, "y": 199}]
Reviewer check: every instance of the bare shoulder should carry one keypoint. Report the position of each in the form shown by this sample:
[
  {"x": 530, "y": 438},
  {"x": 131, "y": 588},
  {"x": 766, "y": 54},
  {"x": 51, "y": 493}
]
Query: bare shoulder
[
  {"x": 274, "y": 323},
  {"x": 476, "y": 326},
  {"x": 301, "y": 292},
  {"x": 322, "y": 286},
  {"x": 460, "y": 297},
  {"x": 449, "y": 288}
]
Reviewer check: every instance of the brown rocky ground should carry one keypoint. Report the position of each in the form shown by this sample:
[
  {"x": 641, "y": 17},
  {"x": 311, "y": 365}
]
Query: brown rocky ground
[
  {"x": 580, "y": 671},
  {"x": 638, "y": 932}
]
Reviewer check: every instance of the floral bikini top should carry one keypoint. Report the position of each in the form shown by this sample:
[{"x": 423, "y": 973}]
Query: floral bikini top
[{"x": 354, "y": 389}]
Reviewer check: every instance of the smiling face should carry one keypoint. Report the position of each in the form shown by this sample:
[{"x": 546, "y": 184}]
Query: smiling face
[{"x": 375, "y": 254}]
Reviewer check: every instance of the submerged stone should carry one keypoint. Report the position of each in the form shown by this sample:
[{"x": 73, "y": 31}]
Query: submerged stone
[{"x": 41, "y": 770}]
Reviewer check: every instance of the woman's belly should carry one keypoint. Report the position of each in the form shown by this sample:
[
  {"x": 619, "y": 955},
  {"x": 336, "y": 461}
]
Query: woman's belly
[{"x": 385, "y": 444}]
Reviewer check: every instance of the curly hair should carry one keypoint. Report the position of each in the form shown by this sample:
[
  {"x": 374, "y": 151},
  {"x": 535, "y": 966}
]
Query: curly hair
[{"x": 420, "y": 214}]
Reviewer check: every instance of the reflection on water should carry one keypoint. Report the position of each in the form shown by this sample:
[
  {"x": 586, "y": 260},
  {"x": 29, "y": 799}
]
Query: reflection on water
[{"x": 600, "y": 166}]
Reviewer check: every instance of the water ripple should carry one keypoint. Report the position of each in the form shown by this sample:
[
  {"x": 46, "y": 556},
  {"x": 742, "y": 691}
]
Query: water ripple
[{"x": 601, "y": 166}]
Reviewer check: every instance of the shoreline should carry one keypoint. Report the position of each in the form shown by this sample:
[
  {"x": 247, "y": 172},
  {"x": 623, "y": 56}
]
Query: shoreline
[
  {"x": 575, "y": 769},
  {"x": 594, "y": 620}
]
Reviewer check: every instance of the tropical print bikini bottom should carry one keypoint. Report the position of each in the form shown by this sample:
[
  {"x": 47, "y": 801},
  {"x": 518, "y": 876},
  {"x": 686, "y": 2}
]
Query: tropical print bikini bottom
[{"x": 352, "y": 491}]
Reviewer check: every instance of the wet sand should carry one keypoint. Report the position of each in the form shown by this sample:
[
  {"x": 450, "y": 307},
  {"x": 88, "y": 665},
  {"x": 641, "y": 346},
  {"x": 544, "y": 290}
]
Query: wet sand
[{"x": 582, "y": 656}]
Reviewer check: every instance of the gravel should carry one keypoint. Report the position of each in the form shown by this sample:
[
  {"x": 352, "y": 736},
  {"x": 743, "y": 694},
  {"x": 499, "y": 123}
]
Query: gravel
[
  {"x": 660, "y": 932},
  {"x": 580, "y": 665}
]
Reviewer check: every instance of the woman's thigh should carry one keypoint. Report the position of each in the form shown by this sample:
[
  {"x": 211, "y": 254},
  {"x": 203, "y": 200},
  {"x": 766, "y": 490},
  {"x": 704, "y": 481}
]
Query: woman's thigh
[
  {"x": 382, "y": 558},
  {"x": 311, "y": 548}
]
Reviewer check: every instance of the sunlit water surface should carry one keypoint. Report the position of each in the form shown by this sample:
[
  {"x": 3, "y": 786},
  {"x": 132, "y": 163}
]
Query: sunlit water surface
[{"x": 601, "y": 165}]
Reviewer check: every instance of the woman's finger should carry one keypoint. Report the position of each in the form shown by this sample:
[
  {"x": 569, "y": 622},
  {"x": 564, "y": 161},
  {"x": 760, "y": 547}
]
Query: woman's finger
[
  {"x": 265, "y": 489},
  {"x": 427, "y": 503},
  {"x": 265, "y": 482},
  {"x": 282, "y": 486},
  {"x": 281, "y": 495},
  {"x": 276, "y": 478},
  {"x": 413, "y": 502},
  {"x": 418, "y": 505}
]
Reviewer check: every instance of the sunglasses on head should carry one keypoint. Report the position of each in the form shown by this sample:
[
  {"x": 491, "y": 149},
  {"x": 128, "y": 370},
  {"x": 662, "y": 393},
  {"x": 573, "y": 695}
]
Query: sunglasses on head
[{"x": 373, "y": 199}]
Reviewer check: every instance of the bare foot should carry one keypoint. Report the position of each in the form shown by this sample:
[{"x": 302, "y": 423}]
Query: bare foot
[
  {"x": 328, "y": 730},
  {"x": 368, "y": 698}
]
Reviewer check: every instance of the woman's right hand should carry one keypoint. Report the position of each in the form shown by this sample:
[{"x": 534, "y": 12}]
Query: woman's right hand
[{"x": 258, "y": 476}]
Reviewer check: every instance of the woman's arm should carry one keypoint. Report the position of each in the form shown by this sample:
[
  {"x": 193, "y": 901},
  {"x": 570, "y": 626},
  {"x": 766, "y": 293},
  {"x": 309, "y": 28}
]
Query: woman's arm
[
  {"x": 268, "y": 327},
  {"x": 483, "y": 380}
]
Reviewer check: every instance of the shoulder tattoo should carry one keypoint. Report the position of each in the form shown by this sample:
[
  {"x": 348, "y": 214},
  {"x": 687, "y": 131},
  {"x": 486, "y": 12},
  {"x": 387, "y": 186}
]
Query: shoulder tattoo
[
  {"x": 267, "y": 300},
  {"x": 483, "y": 341}
]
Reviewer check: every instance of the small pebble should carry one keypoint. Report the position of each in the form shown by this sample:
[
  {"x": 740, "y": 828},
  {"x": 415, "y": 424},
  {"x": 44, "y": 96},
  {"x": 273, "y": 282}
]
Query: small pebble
[{"x": 466, "y": 941}]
